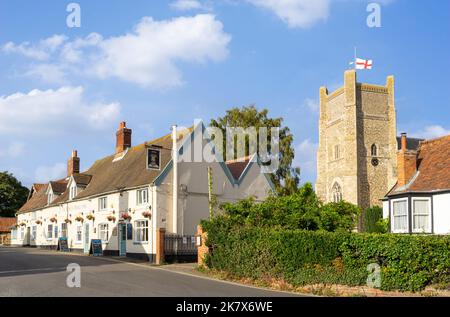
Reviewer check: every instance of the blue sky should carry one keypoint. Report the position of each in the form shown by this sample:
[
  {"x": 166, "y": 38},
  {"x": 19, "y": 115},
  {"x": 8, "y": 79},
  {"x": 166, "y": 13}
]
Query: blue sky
[{"x": 156, "y": 63}]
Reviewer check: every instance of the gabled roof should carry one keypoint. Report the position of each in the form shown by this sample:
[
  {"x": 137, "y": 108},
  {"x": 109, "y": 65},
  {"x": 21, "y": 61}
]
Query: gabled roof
[
  {"x": 433, "y": 172},
  {"x": 6, "y": 223},
  {"x": 108, "y": 175},
  {"x": 238, "y": 166}
]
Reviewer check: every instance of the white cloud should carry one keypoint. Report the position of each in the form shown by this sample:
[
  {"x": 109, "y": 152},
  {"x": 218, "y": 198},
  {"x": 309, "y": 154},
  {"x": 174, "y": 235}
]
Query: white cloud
[
  {"x": 14, "y": 149},
  {"x": 147, "y": 56},
  {"x": 42, "y": 51},
  {"x": 49, "y": 111},
  {"x": 186, "y": 5},
  {"x": 48, "y": 73},
  {"x": 430, "y": 132},
  {"x": 305, "y": 157},
  {"x": 43, "y": 174},
  {"x": 296, "y": 13}
]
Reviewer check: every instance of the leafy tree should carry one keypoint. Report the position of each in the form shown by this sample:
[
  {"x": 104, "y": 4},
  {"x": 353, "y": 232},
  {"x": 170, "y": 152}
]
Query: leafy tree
[
  {"x": 286, "y": 179},
  {"x": 341, "y": 216},
  {"x": 12, "y": 194}
]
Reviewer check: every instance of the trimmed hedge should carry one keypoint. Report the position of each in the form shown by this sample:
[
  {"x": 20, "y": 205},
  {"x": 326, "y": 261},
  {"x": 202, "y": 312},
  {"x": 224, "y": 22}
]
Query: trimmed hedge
[{"x": 408, "y": 263}]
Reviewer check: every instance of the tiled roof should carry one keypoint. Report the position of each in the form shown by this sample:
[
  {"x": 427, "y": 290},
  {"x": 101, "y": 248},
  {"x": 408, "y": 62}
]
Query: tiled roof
[
  {"x": 7, "y": 223},
  {"x": 59, "y": 186},
  {"x": 433, "y": 168},
  {"x": 238, "y": 166},
  {"x": 109, "y": 175}
]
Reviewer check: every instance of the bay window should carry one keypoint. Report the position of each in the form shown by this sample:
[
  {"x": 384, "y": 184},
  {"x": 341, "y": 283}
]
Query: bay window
[
  {"x": 400, "y": 215},
  {"x": 421, "y": 215}
]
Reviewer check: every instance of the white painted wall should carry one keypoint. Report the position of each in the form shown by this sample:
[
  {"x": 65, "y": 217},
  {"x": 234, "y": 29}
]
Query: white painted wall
[{"x": 441, "y": 209}]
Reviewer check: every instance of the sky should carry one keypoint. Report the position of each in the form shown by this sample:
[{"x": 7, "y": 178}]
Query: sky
[{"x": 158, "y": 63}]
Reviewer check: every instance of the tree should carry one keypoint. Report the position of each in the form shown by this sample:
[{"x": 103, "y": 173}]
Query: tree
[
  {"x": 12, "y": 195},
  {"x": 286, "y": 179},
  {"x": 341, "y": 216}
]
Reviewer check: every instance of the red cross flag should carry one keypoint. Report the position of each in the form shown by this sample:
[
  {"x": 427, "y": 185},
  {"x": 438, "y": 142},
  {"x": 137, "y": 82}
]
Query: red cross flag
[{"x": 363, "y": 63}]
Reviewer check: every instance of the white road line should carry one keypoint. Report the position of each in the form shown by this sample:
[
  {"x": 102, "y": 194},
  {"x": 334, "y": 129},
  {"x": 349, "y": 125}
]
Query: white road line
[{"x": 33, "y": 270}]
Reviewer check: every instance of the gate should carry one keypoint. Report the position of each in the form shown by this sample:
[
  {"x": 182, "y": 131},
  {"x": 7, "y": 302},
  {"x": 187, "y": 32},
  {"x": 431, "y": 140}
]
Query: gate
[{"x": 180, "y": 248}]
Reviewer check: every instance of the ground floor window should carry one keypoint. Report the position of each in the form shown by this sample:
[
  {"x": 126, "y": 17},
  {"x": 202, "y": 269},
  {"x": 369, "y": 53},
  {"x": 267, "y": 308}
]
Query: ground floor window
[
  {"x": 64, "y": 230},
  {"x": 400, "y": 215},
  {"x": 103, "y": 232},
  {"x": 79, "y": 232},
  {"x": 141, "y": 231},
  {"x": 56, "y": 231},
  {"x": 421, "y": 215},
  {"x": 14, "y": 234},
  {"x": 49, "y": 231},
  {"x": 33, "y": 233},
  {"x": 22, "y": 233}
]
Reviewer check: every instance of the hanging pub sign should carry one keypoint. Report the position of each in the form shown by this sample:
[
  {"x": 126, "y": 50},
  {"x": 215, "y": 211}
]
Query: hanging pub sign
[
  {"x": 96, "y": 247},
  {"x": 154, "y": 158},
  {"x": 63, "y": 245}
]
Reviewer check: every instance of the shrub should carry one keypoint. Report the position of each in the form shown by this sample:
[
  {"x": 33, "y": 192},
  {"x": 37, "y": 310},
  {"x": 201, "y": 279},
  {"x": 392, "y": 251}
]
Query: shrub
[
  {"x": 301, "y": 210},
  {"x": 306, "y": 257},
  {"x": 372, "y": 216}
]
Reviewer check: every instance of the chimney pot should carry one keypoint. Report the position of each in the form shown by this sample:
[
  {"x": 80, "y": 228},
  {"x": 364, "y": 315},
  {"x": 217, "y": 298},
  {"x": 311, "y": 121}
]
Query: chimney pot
[
  {"x": 123, "y": 138},
  {"x": 73, "y": 164},
  {"x": 403, "y": 142}
]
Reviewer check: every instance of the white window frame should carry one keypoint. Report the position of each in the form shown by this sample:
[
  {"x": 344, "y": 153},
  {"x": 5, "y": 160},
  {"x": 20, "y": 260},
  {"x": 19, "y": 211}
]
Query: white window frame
[
  {"x": 139, "y": 199},
  {"x": 429, "y": 214},
  {"x": 138, "y": 228},
  {"x": 100, "y": 231},
  {"x": 50, "y": 231},
  {"x": 393, "y": 218},
  {"x": 100, "y": 205},
  {"x": 33, "y": 232},
  {"x": 73, "y": 191},
  {"x": 22, "y": 233},
  {"x": 79, "y": 233},
  {"x": 13, "y": 234},
  {"x": 64, "y": 230}
]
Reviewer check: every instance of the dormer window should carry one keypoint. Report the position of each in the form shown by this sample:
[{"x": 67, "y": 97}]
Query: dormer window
[
  {"x": 50, "y": 198},
  {"x": 73, "y": 191}
]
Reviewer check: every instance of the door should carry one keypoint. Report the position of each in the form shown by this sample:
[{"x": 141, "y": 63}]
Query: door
[
  {"x": 122, "y": 239},
  {"x": 28, "y": 237},
  {"x": 86, "y": 238}
]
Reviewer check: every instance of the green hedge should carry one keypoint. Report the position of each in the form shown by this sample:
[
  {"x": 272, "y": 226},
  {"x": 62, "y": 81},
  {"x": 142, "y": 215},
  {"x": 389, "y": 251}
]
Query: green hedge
[{"x": 307, "y": 257}]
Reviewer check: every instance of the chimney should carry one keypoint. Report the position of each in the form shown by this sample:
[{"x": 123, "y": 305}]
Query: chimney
[
  {"x": 123, "y": 138},
  {"x": 73, "y": 164},
  {"x": 406, "y": 163}
]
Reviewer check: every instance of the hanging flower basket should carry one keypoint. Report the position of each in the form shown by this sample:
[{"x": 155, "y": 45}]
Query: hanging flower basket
[
  {"x": 53, "y": 219},
  {"x": 79, "y": 219},
  {"x": 90, "y": 217},
  {"x": 126, "y": 216},
  {"x": 68, "y": 220},
  {"x": 111, "y": 218},
  {"x": 23, "y": 224},
  {"x": 147, "y": 214},
  {"x": 38, "y": 222}
]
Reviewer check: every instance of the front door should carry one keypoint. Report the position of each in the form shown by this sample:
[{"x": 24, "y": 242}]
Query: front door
[
  {"x": 86, "y": 238},
  {"x": 28, "y": 237},
  {"x": 122, "y": 239}
]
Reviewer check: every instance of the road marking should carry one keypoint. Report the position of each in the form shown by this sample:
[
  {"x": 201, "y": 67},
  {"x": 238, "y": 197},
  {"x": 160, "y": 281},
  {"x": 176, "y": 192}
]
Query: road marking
[{"x": 33, "y": 270}]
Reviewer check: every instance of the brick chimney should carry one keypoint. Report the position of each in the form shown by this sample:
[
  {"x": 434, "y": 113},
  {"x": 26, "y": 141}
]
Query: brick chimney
[
  {"x": 406, "y": 163},
  {"x": 123, "y": 138},
  {"x": 73, "y": 164}
]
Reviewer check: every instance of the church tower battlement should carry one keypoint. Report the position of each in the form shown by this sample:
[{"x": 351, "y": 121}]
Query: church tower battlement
[{"x": 357, "y": 154}]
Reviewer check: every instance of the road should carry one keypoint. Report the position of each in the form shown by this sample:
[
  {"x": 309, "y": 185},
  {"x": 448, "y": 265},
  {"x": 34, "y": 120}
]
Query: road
[{"x": 35, "y": 272}]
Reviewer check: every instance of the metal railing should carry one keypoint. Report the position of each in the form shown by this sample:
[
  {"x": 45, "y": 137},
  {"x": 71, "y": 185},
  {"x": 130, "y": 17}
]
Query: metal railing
[{"x": 175, "y": 244}]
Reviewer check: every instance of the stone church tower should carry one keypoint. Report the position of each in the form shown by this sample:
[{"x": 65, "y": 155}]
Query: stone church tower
[{"x": 357, "y": 155}]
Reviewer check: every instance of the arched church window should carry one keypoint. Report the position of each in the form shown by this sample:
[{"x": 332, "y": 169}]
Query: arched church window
[
  {"x": 337, "y": 193},
  {"x": 374, "y": 150}
]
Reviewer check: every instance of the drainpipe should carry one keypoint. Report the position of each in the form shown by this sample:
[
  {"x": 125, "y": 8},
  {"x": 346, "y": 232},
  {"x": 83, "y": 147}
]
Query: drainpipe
[{"x": 175, "y": 179}]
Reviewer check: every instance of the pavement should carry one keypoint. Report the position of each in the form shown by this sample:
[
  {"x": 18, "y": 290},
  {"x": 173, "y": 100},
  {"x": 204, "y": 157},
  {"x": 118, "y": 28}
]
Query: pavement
[{"x": 42, "y": 273}]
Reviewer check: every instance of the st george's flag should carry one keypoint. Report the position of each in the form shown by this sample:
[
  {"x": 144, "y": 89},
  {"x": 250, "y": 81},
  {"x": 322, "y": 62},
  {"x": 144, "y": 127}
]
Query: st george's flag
[{"x": 363, "y": 63}]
